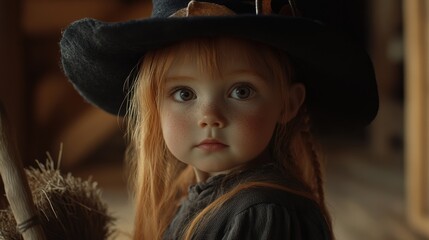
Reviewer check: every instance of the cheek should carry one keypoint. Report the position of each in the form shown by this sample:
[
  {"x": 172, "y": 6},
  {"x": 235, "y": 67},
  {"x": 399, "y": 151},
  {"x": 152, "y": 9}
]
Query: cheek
[
  {"x": 174, "y": 128},
  {"x": 256, "y": 129}
]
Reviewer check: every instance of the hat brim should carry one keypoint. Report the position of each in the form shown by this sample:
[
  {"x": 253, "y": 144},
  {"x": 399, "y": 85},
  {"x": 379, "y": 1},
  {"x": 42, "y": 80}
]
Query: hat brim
[{"x": 97, "y": 57}]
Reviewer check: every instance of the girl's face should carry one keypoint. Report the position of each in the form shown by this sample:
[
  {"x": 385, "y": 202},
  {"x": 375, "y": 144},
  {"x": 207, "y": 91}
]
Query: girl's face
[{"x": 218, "y": 120}]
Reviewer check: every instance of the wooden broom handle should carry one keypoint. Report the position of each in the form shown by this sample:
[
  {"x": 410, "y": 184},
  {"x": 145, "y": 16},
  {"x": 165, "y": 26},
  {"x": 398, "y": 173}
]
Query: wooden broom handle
[{"x": 16, "y": 186}]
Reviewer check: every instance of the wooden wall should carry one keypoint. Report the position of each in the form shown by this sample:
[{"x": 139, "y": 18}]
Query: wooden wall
[
  {"x": 416, "y": 13},
  {"x": 13, "y": 89},
  {"x": 44, "y": 108}
]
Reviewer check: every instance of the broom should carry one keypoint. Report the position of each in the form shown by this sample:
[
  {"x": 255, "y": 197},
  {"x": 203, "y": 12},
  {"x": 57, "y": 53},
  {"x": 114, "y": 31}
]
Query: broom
[{"x": 64, "y": 207}]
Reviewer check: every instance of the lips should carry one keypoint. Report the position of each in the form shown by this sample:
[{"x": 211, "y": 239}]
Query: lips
[{"x": 211, "y": 145}]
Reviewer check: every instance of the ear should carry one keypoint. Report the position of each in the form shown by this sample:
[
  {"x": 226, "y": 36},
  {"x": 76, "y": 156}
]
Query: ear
[{"x": 295, "y": 99}]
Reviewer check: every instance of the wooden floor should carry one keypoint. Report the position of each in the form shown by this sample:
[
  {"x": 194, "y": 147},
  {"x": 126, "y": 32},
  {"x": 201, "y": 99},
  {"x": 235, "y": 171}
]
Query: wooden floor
[{"x": 364, "y": 194}]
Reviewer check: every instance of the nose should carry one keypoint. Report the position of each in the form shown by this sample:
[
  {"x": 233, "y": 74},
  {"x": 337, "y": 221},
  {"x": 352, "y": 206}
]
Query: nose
[{"x": 212, "y": 116}]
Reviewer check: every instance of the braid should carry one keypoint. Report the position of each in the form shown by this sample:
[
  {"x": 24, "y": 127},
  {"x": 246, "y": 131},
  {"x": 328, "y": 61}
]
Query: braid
[
  {"x": 317, "y": 171},
  {"x": 314, "y": 159}
]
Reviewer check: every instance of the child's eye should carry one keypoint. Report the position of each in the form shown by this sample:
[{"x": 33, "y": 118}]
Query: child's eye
[
  {"x": 183, "y": 95},
  {"x": 242, "y": 92}
]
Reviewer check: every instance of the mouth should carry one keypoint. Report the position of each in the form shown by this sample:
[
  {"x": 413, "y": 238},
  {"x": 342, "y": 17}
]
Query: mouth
[{"x": 211, "y": 145}]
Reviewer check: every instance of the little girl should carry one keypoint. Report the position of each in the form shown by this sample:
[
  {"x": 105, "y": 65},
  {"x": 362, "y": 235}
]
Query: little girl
[{"x": 219, "y": 97}]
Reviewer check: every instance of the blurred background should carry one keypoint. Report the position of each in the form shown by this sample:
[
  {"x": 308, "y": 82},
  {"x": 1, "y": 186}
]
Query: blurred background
[{"x": 376, "y": 179}]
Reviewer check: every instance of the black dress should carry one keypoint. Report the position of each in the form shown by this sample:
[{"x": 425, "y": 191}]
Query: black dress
[{"x": 255, "y": 213}]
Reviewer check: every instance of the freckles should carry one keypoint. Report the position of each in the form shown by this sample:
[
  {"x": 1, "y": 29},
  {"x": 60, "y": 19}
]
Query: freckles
[
  {"x": 175, "y": 125},
  {"x": 257, "y": 118},
  {"x": 256, "y": 127}
]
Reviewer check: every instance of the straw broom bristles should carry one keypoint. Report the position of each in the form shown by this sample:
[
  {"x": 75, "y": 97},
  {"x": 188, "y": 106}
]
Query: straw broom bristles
[
  {"x": 69, "y": 207},
  {"x": 64, "y": 207}
]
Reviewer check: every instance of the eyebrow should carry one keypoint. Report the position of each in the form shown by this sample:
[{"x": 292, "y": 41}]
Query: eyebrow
[
  {"x": 179, "y": 78},
  {"x": 248, "y": 72},
  {"x": 230, "y": 74}
]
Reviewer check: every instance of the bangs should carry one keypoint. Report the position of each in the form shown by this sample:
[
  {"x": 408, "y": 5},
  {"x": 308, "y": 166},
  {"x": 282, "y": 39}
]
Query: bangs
[{"x": 208, "y": 53}]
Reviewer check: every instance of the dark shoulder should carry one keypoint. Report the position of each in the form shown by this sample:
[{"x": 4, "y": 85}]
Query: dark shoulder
[
  {"x": 267, "y": 213},
  {"x": 295, "y": 206},
  {"x": 270, "y": 195}
]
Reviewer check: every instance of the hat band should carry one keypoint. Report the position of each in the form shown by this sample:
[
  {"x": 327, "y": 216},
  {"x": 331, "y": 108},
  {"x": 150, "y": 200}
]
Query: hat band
[
  {"x": 195, "y": 8},
  {"x": 262, "y": 7},
  {"x": 288, "y": 9}
]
